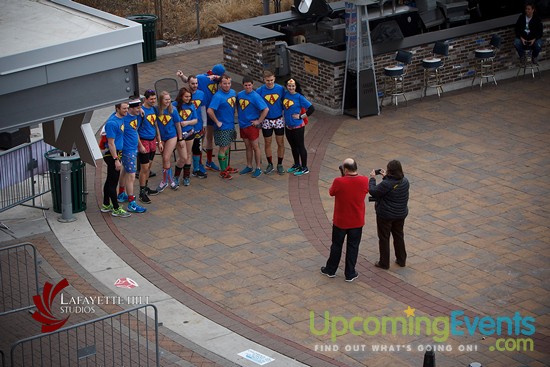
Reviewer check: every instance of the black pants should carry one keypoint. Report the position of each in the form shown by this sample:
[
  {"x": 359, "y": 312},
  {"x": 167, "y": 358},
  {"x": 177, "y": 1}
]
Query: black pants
[
  {"x": 352, "y": 250},
  {"x": 111, "y": 182},
  {"x": 295, "y": 138},
  {"x": 393, "y": 227}
]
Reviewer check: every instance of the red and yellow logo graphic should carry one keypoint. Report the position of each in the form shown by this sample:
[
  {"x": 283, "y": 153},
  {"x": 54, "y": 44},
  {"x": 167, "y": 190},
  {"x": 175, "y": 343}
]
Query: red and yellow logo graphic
[
  {"x": 271, "y": 98},
  {"x": 197, "y": 103},
  {"x": 244, "y": 103},
  {"x": 165, "y": 119},
  {"x": 213, "y": 88},
  {"x": 151, "y": 119},
  {"x": 185, "y": 114},
  {"x": 43, "y": 305},
  {"x": 134, "y": 124},
  {"x": 231, "y": 101},
  {"x": 288, "y": 103}
]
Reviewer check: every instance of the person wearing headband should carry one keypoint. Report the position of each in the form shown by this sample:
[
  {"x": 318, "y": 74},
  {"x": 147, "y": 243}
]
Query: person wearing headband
[{"x": 296, "y": 108}]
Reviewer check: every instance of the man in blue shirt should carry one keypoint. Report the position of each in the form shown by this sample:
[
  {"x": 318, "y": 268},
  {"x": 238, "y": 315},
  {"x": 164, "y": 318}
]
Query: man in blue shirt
[{"x": 252, "y": 110}]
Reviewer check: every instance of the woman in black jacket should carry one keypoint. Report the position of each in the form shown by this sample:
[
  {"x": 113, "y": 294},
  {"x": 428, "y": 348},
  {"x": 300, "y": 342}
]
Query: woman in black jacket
[{"x": 391, "y": 196}]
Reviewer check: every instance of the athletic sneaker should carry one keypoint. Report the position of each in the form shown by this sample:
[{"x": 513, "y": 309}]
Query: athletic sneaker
[
  {"x": 246, "y": 170},
  {"x": 175, "y": 184},
  {"x": 135, "y": 208},
  {"x": 294, "y": 168},
  {"x": 151, "y": 192},
  {"x": 225, "y": 175},
  {"x": 122, "y": 197},
  {"x": 162, "y": 185},
  {"x": 257, "y": 173},
  {"x": 231, "y": 169},
  {"x": 186, "y": 181},
  {"x": 143, "y": 197},
  {"x": 325, "y": 271},
  {"x": 280, "y": 169},
  {"x": 212, "y": 166},
  {"x": 120, "y": 213},
  {"x": 106, "y": 208},
  {"x": 199, "y": 174},
  {"x": 301, "y": 172},
  {"x": 352, "y": 278},
  {"x": 269, "y": 169}
]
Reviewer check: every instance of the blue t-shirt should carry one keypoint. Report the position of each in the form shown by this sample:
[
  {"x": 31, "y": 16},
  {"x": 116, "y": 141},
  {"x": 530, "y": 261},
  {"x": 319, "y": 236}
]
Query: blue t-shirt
[
  {"x": 147, "y": 128},
  {"x": 131, "y": 125},
  {"x": 198, "y": 101},
  {"x": 223, "y": 104},
  {"x": 274, "y": 100},
  {"x": 249, "y": 107},
  {"x": 187, "y": 112},
  {"x": 293, "y": 103},
  {"x": 167, "y": 124},
  {"x": 208, "y": 87},
  {"x": 114, "y": 129}
]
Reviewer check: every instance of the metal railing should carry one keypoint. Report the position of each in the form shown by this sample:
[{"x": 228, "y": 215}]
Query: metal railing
[
  {"x": 126, "y": 338},
  {"x": 18, "y": 277},
  {"x": 22, "y": 174}
]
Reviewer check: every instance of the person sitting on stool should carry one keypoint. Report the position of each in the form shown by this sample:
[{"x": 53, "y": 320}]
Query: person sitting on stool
[{"x": 529, "y": 30}]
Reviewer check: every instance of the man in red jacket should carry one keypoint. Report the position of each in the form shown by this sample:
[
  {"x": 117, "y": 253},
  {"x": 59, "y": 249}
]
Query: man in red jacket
[{"x": 348, "y": 219}]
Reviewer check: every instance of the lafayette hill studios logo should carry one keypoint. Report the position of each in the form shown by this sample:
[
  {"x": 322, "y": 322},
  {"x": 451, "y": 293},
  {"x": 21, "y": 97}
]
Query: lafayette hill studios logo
[{"x": 43, "y": 303}]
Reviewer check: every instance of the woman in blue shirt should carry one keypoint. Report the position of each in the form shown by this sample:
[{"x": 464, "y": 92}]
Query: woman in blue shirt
[
  {"x": 189, "y": 118},
  {"x": 294, "y": 105}
]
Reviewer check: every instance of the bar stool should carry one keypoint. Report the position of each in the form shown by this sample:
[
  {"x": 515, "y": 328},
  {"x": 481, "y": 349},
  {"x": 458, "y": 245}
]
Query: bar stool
[
  {"x": 485, "y": 61},
  {"x": 433, "y": 68},
  {"x": 394, "y": 81},
  {"x": 527, "y": 64}
]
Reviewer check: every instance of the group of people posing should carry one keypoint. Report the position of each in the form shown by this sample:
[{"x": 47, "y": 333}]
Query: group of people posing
[{"x": 203, "y": 114}]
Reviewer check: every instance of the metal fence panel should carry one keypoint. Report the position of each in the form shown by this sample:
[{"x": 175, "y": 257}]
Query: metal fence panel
[
  {"x": 18, "y": 277},
  {"x": 126, "y": 338},
  {"x": 23, "y": 174}
]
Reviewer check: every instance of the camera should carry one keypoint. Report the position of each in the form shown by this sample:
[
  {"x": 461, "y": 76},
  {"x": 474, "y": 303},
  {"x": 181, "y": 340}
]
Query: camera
[
  {"x": 341, "y": 168},
  {"x": 378, "y": 171}
]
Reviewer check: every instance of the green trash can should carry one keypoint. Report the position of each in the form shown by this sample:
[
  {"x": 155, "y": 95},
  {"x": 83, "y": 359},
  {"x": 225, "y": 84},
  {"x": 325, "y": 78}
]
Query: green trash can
[
  {"x": 149, "y": 46},
  {"x": 54, "y": 158}
]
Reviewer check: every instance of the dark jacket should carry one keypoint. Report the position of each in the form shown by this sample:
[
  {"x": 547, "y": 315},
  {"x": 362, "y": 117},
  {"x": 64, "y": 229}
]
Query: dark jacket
[
  {"x": 392, "y": 197},
  {"x": 535, "y": 28}
]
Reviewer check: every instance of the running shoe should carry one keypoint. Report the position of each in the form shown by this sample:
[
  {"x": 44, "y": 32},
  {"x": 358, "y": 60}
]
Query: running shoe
[
  {"x": 151, "y": 192},
  {"x": 212, "y": 166},
  {"x": 143, "y": 197},
  {"x": 257, "y": 173},
  {"x": 294, "y": 168},
  {"x": 352, "y": 278},
  {"x": 135, "y": 208},
  {"x": 106, "y": 208},
  {"x": 175, "y": 184},
  {"x": 246, "y": 170},
  {"x": 231, "y": 169},
  {"x": 186, "y": 181},
  {"x": 269, "y": 169},
  {"x": 199, "y": 174},
  {"x": 280, "y": 169},
  {"x": 202, "y": 169},
  {"x": 325, "y": 271},
  {"x": 120, "y": 213},
  {"x": 162, "y": 185},
  {"x": 301, "y": 172},
  {"x": 122, "y": 197},
  {"x": 225, "y": 175}
]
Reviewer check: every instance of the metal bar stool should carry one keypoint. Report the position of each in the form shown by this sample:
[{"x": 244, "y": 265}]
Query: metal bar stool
[
  {"x": 394, "y": 81},
  {"x": 485, "y": 61},
  {"x": 527, "y": 64},
  {"x": 433, "y": 68}
]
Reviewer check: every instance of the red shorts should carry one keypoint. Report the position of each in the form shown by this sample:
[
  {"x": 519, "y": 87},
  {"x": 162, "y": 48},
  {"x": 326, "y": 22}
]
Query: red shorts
[
  {"x": 251, "y": 133},
  {"x": 150, "y": 145}
]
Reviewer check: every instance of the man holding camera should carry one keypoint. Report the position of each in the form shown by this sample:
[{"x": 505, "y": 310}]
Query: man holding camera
[
  {"x": 392, "y": 197},
  {"x": 349, "y": 192}
]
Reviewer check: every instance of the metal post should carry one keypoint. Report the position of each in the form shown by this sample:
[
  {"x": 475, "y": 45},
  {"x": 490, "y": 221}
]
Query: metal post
[
  {"x": 266, "y": 7},
  {"x": 198, "y": 23},
  {"x": 66, "y": 202}
]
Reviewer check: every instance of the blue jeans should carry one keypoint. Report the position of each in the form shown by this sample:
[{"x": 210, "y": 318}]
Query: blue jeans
[
  {"x": 535, "y": 48},
  {"x": 352, "y": 250}
]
